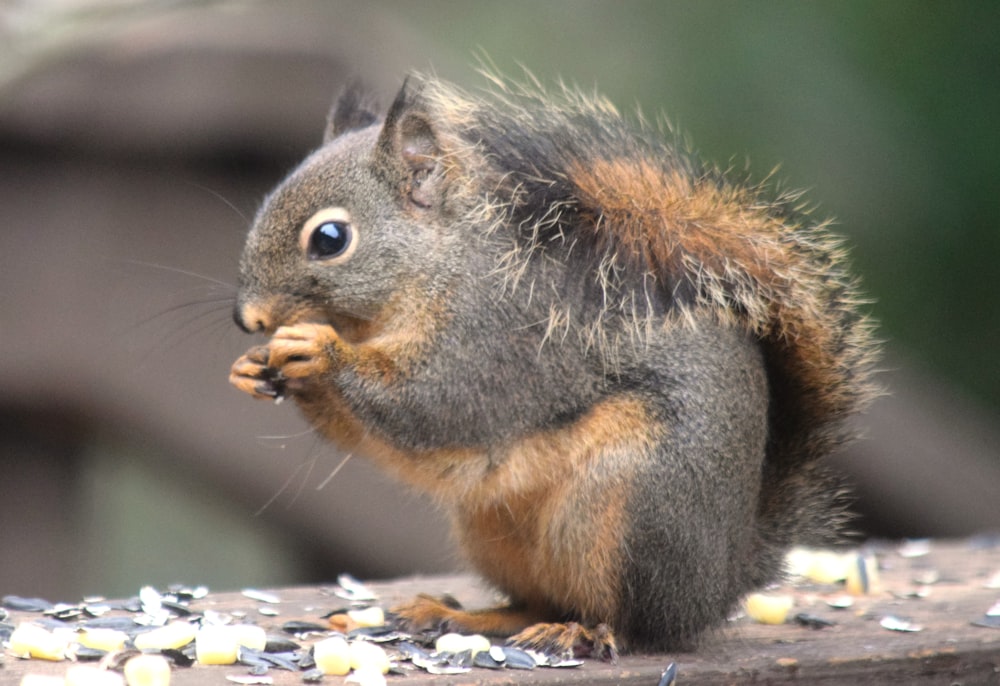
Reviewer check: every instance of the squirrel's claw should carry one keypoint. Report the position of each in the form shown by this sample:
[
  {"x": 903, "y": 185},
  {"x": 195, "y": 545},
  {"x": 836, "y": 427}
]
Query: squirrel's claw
[
  {"x": 301, "y": 351},
  {"x": 252, "y": 375},
  {"x": 294, "y": 354},
  {"x": 569, "y": 639},
  {"x": 426, "y": 612}
]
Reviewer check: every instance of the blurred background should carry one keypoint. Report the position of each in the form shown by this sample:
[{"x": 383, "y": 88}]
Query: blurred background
[{"x": 137, "y": 138}]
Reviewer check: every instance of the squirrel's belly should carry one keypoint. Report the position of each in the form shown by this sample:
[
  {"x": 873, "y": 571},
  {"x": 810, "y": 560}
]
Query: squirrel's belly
[{"x": 546, "y": 526}]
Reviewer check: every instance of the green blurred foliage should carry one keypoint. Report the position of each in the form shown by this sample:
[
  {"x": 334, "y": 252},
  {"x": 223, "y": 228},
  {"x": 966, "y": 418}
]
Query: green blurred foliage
[{"x": 886, "y": 111}]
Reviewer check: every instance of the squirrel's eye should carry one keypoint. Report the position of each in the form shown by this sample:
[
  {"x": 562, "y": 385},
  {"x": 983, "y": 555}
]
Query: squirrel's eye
[
  {"x": 329, "y": 239},
  {"x": 328, "y": 235}
]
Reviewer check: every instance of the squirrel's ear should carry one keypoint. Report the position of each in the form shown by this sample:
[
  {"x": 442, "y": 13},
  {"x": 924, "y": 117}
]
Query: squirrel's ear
[
  {"x": 355, "y": 108},
  {"x": 409, "y": 145}
]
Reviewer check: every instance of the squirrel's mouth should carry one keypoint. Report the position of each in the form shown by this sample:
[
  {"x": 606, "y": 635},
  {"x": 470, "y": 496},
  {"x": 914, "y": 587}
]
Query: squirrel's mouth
[{"x": 265, "y": 315}]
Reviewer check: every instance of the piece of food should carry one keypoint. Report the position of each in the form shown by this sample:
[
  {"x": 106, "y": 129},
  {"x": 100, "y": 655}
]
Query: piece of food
[
  {"x": 769, "y": 609},
  {"x": 32, "y": 640},
  {"x": 171, "y": 636},
  {"x": 147, "y": 670},
  {"x": 333, "y": 656},
  {"x": 365, "y": 655}
]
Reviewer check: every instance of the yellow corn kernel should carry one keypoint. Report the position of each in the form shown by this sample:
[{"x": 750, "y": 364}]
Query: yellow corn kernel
[
  {"x": 333, "y": 656},
  {"x": 366, "y": 655},
  {"x": 108, "y": 640},
  {"x": 862, "y": 575},
  {"x": 31, "y": 640},
  {"x": 147, "y": 670},
  {"x": 216, "y": 645},
  {"x": 369, "y": 617},
  {"x": 171, "y": 636},
  {"x": 769, "y": 609}
]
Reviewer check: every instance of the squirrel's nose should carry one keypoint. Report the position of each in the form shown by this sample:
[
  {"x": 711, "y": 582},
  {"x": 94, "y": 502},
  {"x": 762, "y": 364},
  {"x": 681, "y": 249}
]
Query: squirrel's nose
[{"x": 251, "y": 318}]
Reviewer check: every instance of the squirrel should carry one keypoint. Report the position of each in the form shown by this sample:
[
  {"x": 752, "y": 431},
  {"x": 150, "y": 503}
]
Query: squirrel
[{"x": 616, "y": 368}]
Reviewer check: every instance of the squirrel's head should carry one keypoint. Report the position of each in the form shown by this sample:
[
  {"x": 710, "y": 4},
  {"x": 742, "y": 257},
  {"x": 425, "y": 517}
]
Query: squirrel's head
[{"x": 363, "y": 224}]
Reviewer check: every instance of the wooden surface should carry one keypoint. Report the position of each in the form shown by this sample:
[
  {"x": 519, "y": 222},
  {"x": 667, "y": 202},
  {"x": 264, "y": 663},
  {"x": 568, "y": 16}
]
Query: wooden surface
[{"x": 857, "y": 649}]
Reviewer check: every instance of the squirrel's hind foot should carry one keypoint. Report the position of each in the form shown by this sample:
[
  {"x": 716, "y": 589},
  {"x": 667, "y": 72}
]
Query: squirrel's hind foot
[
  {"x": 522, "y": 625},
  {"x": 570, "y": 638},
  {"x": 425, "y": 612}
]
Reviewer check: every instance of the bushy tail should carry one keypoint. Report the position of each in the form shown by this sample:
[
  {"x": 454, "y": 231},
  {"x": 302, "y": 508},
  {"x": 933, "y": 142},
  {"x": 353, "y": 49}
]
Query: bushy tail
[{"x": 568, "y": 166}]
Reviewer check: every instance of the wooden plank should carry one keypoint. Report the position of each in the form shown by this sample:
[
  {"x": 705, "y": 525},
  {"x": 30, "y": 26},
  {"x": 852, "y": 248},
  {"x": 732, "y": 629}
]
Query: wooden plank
[{"x": 857, "y": 649}]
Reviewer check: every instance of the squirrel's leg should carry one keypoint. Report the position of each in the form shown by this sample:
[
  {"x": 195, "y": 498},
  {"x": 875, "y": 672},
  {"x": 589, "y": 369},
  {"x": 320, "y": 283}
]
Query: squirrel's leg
[{"x": 525, "y": 627}]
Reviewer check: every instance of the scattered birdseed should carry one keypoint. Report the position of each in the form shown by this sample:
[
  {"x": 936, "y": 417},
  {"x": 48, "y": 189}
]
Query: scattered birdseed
[
  {"x": 669, "y": 675},
  {"x": 915, "y": 547},
  {"x": 841, "y": 602},
  {"x": 89, "y": 633},
  {"x": 988, "y": 621},
  {"x": 862, "y": 575},
  {"x": 261, "y": 596},
  {"x": 351, "y": 589},
  {"x": 249, "y": 679},
  {"x": 14, "y": 602},
  {"x": 896, "y": 624},
  {"x": 813, "y": 621}
]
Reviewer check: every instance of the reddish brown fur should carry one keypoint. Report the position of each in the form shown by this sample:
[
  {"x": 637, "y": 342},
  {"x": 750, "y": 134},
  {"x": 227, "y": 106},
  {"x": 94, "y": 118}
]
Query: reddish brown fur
[
  {"x": 688, "y": 228},
  {"x": 542, "y": 525}
]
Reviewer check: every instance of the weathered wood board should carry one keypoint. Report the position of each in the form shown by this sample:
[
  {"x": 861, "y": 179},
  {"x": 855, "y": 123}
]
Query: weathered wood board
[{"x": 949, "y": 649}]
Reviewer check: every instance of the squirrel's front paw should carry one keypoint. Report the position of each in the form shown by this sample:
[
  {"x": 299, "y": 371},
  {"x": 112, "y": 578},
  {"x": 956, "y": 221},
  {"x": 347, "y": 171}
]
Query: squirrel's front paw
[
  {"x": 300, "y": 352},
  {"x": 251, "y": 374},
  {"x": 293, "y": 355}
]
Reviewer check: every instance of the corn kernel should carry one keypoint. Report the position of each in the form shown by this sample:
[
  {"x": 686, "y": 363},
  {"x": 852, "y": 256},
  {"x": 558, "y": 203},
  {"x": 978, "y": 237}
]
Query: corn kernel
[
  {"x": 147, "y": 670},
  {"x": 369, "y": 617},
  {"x": 769, "y": 609},
  {"x": 366, "y": 676},
  {"x": 31, "y": 640},
  {"x": 365, "y": 655},
  {"x": 333, "y": 656},
  {"x": 862, "y": 575},
  {"x": 169, "y": 637},
  {"x": 457, "y": 643},
  {"x": 216, "y": 645},
  {"x": 108, "y": 640}
]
